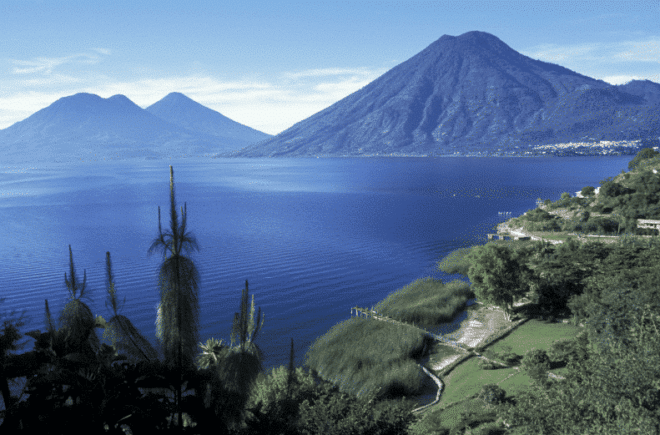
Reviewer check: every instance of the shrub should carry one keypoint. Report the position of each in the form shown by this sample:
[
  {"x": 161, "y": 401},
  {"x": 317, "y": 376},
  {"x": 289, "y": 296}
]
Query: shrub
[
  {"x": 536, "y": 363},
  {"x": 491, "y": 394},
  {"x": 486, "y": 365},
  {"x": 537, "y": 215},
  {"x": 587, "y": 191},
  {"x": 643, "y": 154}
]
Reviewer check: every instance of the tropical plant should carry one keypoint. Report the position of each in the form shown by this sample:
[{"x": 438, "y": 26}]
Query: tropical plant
[
  {"x": 177, "y": 324},
  {"x": 120, "y": 330},
  {"x": 76, "y": 319},
  {"x": 9, "y": 337}
]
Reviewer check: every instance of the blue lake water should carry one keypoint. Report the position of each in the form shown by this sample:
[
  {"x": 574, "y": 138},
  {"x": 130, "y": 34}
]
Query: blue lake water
[{"x": 314, "y": 237}]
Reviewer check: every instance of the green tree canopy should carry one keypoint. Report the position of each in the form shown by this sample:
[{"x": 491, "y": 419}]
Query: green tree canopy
[
  {"x": 643, "y": 154},
  {"x": 587, "y": 191},
  {"x": 498, "y": 276}
]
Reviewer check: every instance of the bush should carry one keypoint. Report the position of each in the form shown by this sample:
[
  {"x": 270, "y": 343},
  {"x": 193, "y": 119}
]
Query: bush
[
  {"x": 643, "y": 154},
  {"x": 486, "y": 365},
  {"x": 536, "y": 363},
  {"x": 491, "y": 394},
  {"x": 537, "y": 215},
  {"x": 587, "y": 191}
]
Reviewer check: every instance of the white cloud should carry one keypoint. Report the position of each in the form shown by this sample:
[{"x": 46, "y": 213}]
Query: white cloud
[
  {"x": 103, "y": 51},
  {"x": 267, "y": 105},
  {"x": 46, "y": 65},
  {"x": 641, "y": 51},
  {"x": 560, "y": 53},
  {"x": 620, "y": 80},
  {"x": 324, "y": 72},
  {"x": 647, "y": 50}
]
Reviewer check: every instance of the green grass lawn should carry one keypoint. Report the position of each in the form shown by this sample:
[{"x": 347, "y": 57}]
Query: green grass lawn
[
  {"x": 467, "y": 379},
  {"x": 534, "y": 333}
]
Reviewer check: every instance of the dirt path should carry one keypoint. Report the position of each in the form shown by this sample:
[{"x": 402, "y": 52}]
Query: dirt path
[{"x": 480, "y": 324}]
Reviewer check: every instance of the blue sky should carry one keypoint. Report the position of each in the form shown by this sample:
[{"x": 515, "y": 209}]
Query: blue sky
[{"x": 270, "y": 64}]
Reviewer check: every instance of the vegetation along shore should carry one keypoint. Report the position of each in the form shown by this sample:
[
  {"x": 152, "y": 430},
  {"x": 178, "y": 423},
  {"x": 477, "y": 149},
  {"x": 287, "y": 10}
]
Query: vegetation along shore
[{"x": 558, "y": 334}]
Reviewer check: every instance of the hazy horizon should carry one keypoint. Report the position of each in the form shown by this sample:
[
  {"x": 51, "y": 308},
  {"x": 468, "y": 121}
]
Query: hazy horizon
[{"x": 269, "y": 66}]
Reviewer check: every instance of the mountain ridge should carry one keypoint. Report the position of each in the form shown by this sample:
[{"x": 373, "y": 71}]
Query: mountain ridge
[
  {"x": 84, "y": 126},
  {"x": 462, "y": 93},
  {"x": 181, "y": 110}
]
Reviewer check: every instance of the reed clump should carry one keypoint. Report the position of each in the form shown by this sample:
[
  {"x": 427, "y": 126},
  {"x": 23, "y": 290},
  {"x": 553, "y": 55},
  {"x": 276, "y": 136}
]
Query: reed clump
[
  {"x": 427, "y": 302},
  {"x": 367, "y": 356}
]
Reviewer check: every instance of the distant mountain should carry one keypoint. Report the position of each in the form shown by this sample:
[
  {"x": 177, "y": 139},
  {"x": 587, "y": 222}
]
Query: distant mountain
[
  {"x": 646, "y": 89},
  {"x": 86, "y": 126},
  {"x": 465, "y": 94},
  {"x": 180, "y": 110}
]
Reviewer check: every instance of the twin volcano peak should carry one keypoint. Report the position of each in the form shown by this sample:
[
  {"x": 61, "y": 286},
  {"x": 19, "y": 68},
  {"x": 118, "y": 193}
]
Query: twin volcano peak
[{"x": 86, "y": 124}]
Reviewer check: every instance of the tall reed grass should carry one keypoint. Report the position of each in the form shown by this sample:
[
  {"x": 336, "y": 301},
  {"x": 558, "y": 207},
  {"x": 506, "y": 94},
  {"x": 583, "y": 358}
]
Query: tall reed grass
[
  {"x": 367, "y": 356},
  {"x": 427, "y": 302}
]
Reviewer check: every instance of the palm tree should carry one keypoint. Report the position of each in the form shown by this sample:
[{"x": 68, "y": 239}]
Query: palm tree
[
  {"x": 233, "y": 370},
  {"x": 9, "y": 337},
  {"x": 245, "y": 361},
  {"x": 120, "y": 330},
  {"x": 177, "y": 324},
  {"x": 76, "y": 319}
]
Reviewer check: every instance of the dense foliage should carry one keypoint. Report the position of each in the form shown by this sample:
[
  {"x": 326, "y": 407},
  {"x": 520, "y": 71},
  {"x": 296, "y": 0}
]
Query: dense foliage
[{"x": 497, "y": 275}]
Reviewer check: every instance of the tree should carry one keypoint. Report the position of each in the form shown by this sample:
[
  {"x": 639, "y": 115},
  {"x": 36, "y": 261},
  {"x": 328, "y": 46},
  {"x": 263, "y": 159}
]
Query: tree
[
  {"x": 276, "y": 398},
  {"x": 76, "y": 319},
  {"x": 9, "y": 337},
  {"x": 120, "y": 330},
  {"x": 178, "y": 312},
  {"x": 239, "y": 371},
  {"x": 231, "y": 371},
  {"x": 587, "y": 191},
  {"x": 643, "y": 154},
  {"x": 491, "y": 394},
  {"x": 536, "y": 364},
  {"x": 498, "y": 276}
]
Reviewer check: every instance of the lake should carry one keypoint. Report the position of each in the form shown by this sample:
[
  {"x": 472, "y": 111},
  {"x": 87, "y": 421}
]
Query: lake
[{"x": 314, "y": 237}]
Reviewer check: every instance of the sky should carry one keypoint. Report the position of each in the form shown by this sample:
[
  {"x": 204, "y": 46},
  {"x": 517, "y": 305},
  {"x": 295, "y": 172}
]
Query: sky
[{"x": 270, "y": 64}]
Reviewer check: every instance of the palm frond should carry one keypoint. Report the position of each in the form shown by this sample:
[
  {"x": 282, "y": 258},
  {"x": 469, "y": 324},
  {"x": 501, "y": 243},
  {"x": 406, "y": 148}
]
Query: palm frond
[
  {"x": 77, "y": 323},
  {"x": 212, "y": 353},
  {"x": 129, "y": 340},
  {"x": 244, "y": 327},
  {"x": 110, "y": 286}
]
